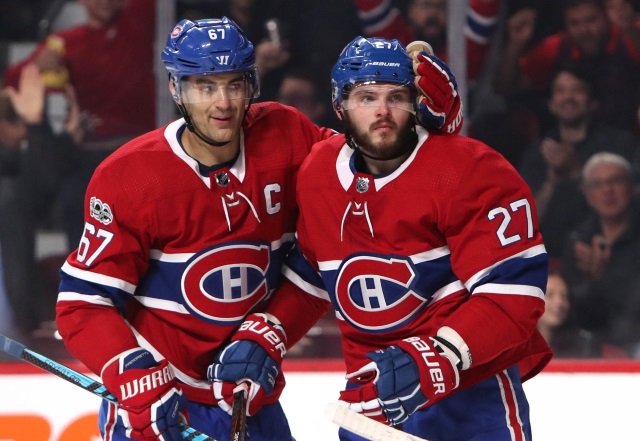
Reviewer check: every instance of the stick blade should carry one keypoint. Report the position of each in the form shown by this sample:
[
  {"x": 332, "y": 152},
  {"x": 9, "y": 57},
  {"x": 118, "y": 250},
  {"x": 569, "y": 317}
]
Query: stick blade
[
  {"x": 366, "y": 427},
  {"x": 11, "y": 347}
]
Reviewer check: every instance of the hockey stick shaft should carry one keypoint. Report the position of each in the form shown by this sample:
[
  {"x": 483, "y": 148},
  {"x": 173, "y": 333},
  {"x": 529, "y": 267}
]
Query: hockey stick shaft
[
  {"x": 239, "y": 413},
  {"x": 19, "y": 351},
  {"x": 368, "y": 428}
]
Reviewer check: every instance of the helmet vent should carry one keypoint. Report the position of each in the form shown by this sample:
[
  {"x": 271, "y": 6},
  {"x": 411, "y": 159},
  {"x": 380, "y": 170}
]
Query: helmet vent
[{"x": 188, "y": 63}]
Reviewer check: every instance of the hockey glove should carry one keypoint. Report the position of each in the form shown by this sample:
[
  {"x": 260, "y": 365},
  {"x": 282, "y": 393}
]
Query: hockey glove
[
  {"x": 149, "y": 399},
  {"x": 438, "y": 103},
  {"x": 255, "y": 357},
  {"x": 402, "y": 379}
]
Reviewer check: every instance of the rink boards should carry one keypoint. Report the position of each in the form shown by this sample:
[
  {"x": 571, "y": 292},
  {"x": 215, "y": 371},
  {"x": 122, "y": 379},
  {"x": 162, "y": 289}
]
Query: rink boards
[{"x": 577, "y": 400}]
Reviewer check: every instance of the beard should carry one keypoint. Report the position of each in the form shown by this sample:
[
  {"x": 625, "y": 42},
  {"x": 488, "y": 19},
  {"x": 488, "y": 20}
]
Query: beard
[{"x": 386, "y": 147}]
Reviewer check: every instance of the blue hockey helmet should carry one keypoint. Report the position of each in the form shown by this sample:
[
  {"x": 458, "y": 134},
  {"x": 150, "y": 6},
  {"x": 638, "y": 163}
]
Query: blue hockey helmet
[
  {"x": 209, "y": 47},
  {"x": 370, "y": 60}
]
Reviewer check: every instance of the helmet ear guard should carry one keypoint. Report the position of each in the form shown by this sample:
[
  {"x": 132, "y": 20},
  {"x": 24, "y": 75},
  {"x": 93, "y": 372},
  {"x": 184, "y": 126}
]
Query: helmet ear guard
[{"x": 174, "y": 88}]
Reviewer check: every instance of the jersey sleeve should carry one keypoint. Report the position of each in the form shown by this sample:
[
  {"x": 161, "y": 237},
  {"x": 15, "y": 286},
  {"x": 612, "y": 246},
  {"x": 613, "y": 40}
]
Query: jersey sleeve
[
  {"x": 286, "y": 305},
  {"x": 380, "y": 18},
  {"x": 101, "y": 275},
  {"x": 497, "y": 251},
  {"x": 303, "y": 289},
  {"x": 481, "y": 25}
]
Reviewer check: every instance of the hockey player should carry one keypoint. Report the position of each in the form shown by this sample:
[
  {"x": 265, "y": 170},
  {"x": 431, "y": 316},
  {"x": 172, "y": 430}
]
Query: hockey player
[
  {"x": 186, "y": 229},
  {"x": 428, "y": 249}
]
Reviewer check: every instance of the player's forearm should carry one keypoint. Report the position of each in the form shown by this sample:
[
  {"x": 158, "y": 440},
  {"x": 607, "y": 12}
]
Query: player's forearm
[
  {"x": 93, "y": 334},
  {"x": 296, "y": 310},
  {"x": 490, "y": 326}
]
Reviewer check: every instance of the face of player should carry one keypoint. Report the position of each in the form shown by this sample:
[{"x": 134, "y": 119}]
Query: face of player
[
  {"x": 608, "y": 189},
  {"x": 556, "y": 302},
  {"x": 380, "y": 118},
  {"x": 216, "y": 104},
  {"x": 588, "y": 27},
  {"x": 570, "y": 101}
]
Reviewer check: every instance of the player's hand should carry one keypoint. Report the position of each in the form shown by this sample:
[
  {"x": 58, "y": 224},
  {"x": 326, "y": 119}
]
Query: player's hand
[
  {"x": 149, "y": 399},
  {"x": 438, "y": 103},
  {"x": 253, "y": 357},
  {"x": 400, "y": 380}
]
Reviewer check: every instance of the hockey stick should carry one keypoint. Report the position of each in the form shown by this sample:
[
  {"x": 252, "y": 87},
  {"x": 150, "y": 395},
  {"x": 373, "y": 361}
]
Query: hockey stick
[
  {"x": 366, "y": 427},
  {"x": 239, "y": 413},
  {"x": 19, "y": 351}
]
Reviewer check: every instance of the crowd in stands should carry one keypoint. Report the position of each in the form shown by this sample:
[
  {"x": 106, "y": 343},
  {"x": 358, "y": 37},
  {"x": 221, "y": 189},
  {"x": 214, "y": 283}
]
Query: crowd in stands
[{"x": 564, "y": 81}]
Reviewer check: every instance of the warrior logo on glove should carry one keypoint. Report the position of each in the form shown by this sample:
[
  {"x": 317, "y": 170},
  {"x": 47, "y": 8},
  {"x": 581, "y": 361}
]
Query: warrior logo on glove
[{"x": 148, "y": 382}]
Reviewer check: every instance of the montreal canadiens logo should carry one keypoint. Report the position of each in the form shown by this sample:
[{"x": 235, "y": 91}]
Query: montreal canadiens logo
[
  {"x": 223, "y": 283},
  {"x": 375, "y": 294}
]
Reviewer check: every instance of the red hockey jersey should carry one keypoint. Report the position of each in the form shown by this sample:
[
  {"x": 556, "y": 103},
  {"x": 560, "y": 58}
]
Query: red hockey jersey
[
  {"x": 450, "y": 238},
  {"x": 182, "y": 256}
]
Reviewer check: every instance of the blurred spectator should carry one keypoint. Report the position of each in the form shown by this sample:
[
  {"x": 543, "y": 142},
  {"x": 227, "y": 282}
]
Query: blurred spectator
[
  {"x": 109, "y": 62},
  {"x": 604, "y": 38},
  {"x": 601, "y": 261},
  {"x": 300, "y": 89},
  {"x": 307, "y": 33},
  {"x": 426, "y": 20},
  {"x": 553, "y": 168},
  {"x": 272, "y": 45},
  {"x": 549, "y": 17},
  {"x": 32, "y": 158},
  {"x": 556, "y": 326}
]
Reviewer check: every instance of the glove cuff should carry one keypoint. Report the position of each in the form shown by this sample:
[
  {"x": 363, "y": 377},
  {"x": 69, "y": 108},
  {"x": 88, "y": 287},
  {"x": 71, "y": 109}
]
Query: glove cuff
[
  {"x": 448, "y": 338},
  {"x": 138, "y": 358},
  {"x": 265, "y": 331}
]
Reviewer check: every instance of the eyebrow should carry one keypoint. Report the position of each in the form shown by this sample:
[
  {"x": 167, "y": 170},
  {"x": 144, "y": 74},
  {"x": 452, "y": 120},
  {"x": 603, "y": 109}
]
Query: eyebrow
[{"x": 363, "y": 90}]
